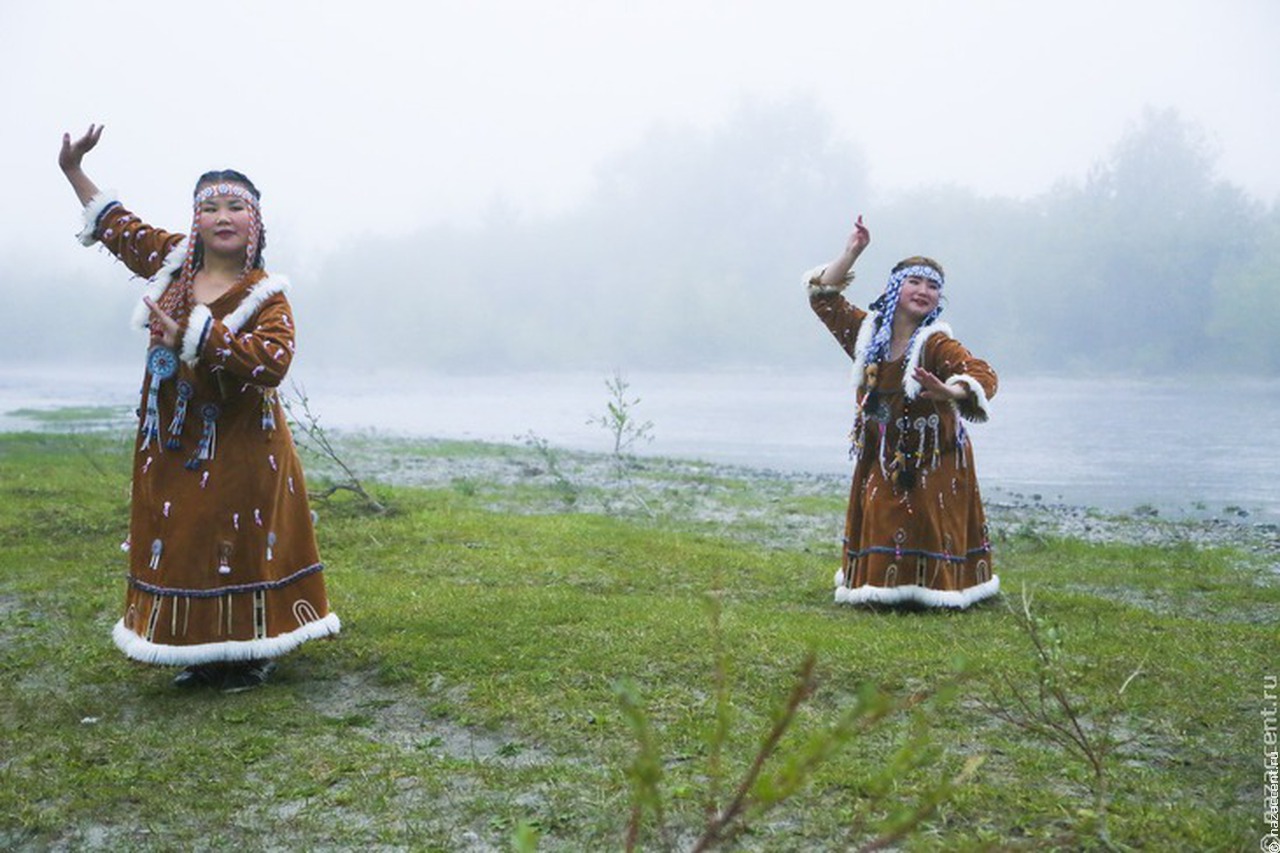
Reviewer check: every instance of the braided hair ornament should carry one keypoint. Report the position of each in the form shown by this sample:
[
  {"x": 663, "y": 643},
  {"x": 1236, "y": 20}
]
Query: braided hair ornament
[
  {"x": 896, "y": 465},
  {"x": 885, "y": 306}
]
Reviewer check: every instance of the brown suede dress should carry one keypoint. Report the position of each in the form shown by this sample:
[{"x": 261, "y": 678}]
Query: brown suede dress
[
  {"x": 223, "y": 564},
  {"x": 924, "y": 543}
]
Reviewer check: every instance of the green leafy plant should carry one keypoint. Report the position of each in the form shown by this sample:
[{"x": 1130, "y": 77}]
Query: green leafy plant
[
  {"x": 626, "y": 430},
  {"x": 771, "y": 777},
  {"x": 1055, "y": 708},
  {"x": 622, "y": 423}
]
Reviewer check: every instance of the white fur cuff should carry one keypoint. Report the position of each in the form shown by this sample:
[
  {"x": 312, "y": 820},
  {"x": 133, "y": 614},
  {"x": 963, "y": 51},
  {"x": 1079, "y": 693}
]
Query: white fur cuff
[
  {"x": 92, "y": 213},
  {"x": 813, "y": 282},
  {"x": 976, "y": 408}
]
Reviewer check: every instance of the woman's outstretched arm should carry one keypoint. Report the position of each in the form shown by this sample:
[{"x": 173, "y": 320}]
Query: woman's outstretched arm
[
  {"x": 69, "y": 160},
  {"x": 837, "y": 272}
]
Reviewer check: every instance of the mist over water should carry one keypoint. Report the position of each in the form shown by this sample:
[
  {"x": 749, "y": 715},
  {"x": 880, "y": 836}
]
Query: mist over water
[
  {"x": 1114, "y": 444},
  {"x": 681, "y": 265}
]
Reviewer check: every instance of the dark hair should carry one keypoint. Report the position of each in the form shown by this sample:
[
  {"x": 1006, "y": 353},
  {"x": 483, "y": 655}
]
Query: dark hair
[
  {"x": 917, "y": 261},
  {"x": 231, "y": 176}
]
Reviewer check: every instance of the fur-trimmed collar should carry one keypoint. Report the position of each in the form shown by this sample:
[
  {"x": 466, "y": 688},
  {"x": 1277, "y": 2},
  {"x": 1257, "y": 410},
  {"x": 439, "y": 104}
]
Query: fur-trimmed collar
[
  {"x": 259, "y": 292},
  {"x": 910, "y": 386}
]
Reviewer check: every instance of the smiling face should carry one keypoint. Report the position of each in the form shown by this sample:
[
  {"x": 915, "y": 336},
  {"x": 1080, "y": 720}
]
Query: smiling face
[
  {"x": 225, "y": 223},
  {"x": 918, "y": 297}
]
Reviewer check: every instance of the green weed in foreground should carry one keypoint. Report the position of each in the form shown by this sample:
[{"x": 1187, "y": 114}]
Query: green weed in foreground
[{"x": 472, "y": 697}]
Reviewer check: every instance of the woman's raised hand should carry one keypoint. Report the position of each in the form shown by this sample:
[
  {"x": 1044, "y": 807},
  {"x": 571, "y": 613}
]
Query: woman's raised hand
[
  {"x": 836, "y": 274},
  {"x": 73, "y": 152},
  {"x": 859, "y": 239}
]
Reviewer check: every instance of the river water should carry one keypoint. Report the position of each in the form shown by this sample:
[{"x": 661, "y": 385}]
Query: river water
[{"x": 1185, "y": 447}]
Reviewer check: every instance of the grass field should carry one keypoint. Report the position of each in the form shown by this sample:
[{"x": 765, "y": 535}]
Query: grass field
[{"x": 491, "y": 622}]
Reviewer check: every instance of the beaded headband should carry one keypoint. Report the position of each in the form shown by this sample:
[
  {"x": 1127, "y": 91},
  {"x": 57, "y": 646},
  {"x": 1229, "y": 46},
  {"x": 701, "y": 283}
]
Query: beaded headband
[{"x": 237, "y": 190}]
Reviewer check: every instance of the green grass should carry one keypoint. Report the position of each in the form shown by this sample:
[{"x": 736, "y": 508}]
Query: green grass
[{"x": 472, "y": 690}]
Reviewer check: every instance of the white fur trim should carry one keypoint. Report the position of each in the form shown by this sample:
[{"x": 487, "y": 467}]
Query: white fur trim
[
  {"x": 160, "y": 282},
  {"x": 258, "y": 294},
  {"x": 232, "y": 650},
  {"x": 960, "y": 598},
  {"x": 89, "y": 234},
  {"x": 253, "y": 300},
  {"x": 861, "y": 344},
  {"x": 911, "y": 385},
  {"x": 816, "y": 288},
  {"x": 200, "y": 315},
  {"x": 981, "y": 412}
]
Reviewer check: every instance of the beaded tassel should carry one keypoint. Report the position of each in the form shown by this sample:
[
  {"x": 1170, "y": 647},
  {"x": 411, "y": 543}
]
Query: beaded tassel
[
  {"x": 855, "y": 437},
  {"x": 903, "y": 475},
  {"x": 934, "y": 421},
  {"x": 208, "y": 438},
  {"x": 156, "y": 547},
  {"x": 179, "y": 414},
  {"x": 224, "y": 559},
  {"x": 268, "y": 411},
  {"x": 151, "y": 423},
  {"x": 271, "y": 543},
  {"x": 162, "y": 363}
]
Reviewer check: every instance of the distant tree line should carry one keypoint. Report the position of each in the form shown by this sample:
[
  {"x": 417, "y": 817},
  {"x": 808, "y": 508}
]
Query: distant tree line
[{"x": 689, "y": 251}]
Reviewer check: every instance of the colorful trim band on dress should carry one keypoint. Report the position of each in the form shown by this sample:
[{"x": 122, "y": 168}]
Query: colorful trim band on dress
[
  {"x": 238, "y": 589},
  {"x": 918, "y": 552}
]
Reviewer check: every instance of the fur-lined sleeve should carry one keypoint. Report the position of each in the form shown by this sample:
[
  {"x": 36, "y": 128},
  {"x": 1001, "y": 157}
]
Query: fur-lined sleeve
[
  {"x": 137, "y": 245},
  {"x": 840, "y": 317},
  {"x": 950, "y": 361}
]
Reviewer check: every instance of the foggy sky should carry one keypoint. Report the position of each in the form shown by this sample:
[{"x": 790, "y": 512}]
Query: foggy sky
[{"x": 385, "y": 117}]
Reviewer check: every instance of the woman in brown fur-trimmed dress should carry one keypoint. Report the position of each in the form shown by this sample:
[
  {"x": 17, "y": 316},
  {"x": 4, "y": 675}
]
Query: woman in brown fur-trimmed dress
[
  {"x": 224, "y": 574},
  {"x": 915, "y": 532}
]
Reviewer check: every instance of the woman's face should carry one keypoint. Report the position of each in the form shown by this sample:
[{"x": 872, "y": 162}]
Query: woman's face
[
  {"x": 918, "y": 297},
  {"x": 225, "y": 224}
]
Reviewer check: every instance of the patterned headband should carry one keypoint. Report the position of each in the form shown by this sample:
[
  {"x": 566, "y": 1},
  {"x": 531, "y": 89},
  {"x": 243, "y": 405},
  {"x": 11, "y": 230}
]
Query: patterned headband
[
  {"x": 920, "y": 271},
  {"x": 237, "y": 190}
]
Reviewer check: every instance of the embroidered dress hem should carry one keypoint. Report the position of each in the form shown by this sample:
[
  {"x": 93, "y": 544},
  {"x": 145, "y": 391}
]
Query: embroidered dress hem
[
  {"x": 915, "y": 594},
  {"x": 140, "y": 649}
]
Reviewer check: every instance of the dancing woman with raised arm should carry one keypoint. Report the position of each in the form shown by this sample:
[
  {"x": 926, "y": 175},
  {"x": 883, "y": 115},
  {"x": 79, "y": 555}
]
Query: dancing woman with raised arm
[
  {"x": 915, "y": 531},
  {"x": 224, "y": 573}
]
